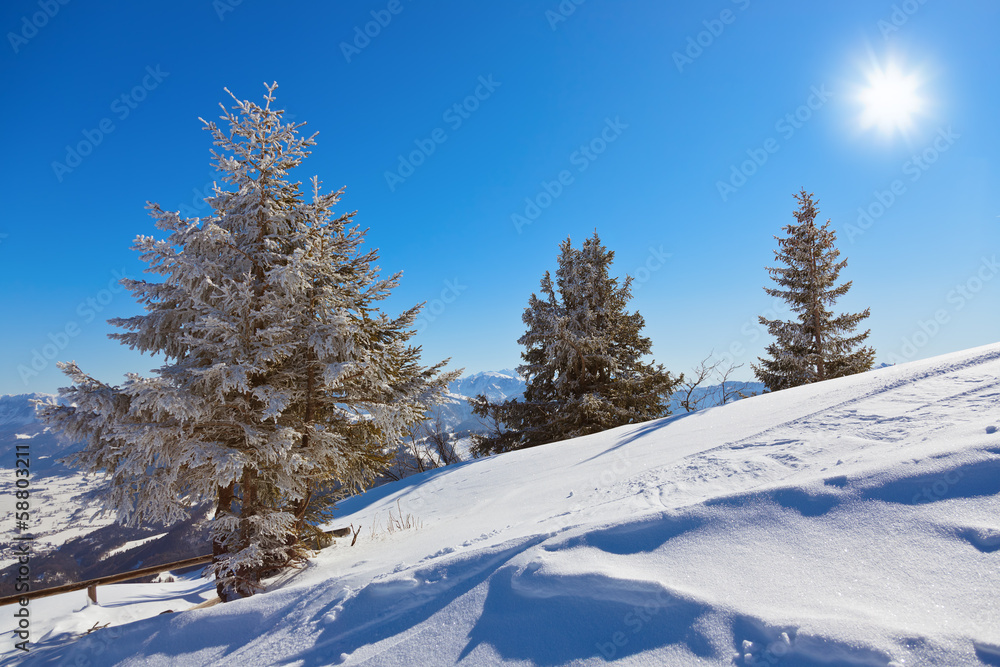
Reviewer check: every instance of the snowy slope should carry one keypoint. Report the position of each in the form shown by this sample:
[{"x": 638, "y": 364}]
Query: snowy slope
[{"x": 852, "y": 522}]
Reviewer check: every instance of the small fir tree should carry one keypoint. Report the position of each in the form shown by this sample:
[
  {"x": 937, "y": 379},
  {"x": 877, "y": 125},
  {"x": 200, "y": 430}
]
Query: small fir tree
[
  {"x": 583, "y": 365},
  {"x": 816, "y": 345},
  {"x": 284, "y": 385}
]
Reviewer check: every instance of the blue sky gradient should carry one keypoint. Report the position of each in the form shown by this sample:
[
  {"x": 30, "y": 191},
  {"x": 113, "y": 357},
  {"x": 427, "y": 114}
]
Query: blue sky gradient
[{"x": 679, "y": 131}]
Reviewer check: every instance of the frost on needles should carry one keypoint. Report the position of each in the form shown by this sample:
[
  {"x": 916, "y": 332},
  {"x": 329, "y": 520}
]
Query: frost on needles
[
  {"x": 817, "y": 345},
  {"x": 284, "y": 386}
]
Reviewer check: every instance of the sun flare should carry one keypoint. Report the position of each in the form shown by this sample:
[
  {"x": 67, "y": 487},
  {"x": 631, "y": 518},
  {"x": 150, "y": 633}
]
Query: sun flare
[{"x": 891, "y": 99}]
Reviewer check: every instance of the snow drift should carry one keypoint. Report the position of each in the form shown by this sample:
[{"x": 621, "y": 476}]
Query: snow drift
[{"x": 851, "y": 522}]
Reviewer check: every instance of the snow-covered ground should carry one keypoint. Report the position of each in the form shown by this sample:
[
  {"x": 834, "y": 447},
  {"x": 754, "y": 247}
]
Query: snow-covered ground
[{"x": 852, "y": 522}]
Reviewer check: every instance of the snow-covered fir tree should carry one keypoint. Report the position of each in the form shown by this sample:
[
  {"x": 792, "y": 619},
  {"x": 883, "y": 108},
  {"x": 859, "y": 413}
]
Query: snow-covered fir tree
[
  {"x": 817, "y": 345},
  {"x": 284, "y": 385},
  {"x": 583, "y": 365}
]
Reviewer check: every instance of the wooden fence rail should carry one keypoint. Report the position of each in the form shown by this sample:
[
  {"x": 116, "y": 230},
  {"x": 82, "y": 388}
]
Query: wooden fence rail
[{"x": 92, "y": 584}]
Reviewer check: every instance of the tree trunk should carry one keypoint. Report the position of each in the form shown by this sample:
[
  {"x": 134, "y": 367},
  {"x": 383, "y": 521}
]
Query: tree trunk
[
  {"x": 817, "y": 328},
  {"x": 224, "y": 505},
  {"x": 247, "y": 576}
]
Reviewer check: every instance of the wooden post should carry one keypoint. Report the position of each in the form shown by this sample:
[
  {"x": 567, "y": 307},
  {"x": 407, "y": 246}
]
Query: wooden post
[{"x": 92, "y": 593}]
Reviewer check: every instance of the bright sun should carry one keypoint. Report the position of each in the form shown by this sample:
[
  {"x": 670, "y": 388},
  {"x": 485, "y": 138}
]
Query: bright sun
[{"x": 891, "y": 99}]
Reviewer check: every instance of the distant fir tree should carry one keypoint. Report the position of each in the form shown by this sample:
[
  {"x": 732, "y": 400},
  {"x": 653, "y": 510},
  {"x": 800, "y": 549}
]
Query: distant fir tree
[
  {"x": 284, "y": 385},
  {"x": 583, "y": 366},
  {"x": 816, "y": 345}
]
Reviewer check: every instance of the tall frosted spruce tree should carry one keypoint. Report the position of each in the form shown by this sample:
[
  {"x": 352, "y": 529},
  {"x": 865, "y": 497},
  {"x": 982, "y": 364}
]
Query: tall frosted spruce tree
[
  {"x": 583, "y": 364},
  {"x": 817, "y": 345},
  {"x": 283, "y": 385}
]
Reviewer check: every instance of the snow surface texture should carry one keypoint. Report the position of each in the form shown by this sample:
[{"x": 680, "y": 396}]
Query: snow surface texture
[{"x": 851, "y": 522}]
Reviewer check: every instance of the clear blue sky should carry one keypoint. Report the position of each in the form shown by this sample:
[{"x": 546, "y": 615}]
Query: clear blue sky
[{"x": 665, "y": 119}]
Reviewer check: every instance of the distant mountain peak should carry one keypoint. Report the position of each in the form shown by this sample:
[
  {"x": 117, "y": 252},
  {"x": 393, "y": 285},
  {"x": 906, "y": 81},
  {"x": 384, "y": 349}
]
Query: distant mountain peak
[
  {"x": 502, "y": 373},
  {"x": 18, "y": 409}
]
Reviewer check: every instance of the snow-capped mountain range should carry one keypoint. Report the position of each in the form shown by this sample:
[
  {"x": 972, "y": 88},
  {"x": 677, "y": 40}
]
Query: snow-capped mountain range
[
  {"x": 495, "y": 385},
  {"x": 455, "y": 413},
  {"x": 18, "y": 425}
]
